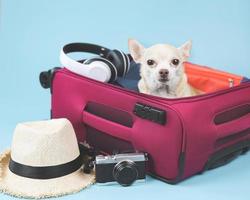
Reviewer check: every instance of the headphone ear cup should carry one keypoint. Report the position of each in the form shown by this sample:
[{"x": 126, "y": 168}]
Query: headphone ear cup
[
  {"x": 127, "y": 62},
  {"x": 106, "y": 64},
  {"x": 119, "y": 60}
]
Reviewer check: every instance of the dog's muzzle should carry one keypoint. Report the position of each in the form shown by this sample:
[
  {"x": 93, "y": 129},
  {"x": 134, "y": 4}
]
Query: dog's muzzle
[{"x": 163, "y": 80}]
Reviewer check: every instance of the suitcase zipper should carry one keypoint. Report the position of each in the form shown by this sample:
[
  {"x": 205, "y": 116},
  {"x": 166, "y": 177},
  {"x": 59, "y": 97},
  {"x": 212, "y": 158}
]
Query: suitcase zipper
[{"x": 161, "y": 99}]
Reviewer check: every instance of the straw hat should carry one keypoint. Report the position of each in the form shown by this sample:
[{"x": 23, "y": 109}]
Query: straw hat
[{"x": 44, "y": 161}]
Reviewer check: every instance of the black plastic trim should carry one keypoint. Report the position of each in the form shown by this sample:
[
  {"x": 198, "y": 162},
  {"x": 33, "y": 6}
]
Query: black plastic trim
[
  {"x": 216, "y": 160},
  {"x": 232, "y": 114},
  {"x": 227, "y": 154},
  {"x": 110, "y": 113},
  {"x": 51, "y": 114},
  {"x": 180, "y": 172},
  {"x": 46, "y": 78},
  {"x": 150, "y": 113},
  {"x": 232, "y": 137}
]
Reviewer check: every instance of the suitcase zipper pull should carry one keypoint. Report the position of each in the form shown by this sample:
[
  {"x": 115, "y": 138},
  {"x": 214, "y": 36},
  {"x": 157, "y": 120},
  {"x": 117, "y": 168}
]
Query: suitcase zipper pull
[{"x": 231, "y": 82}]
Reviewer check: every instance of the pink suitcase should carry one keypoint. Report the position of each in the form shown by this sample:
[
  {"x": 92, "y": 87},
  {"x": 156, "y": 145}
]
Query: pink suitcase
[{"x": 182, "y": 136}]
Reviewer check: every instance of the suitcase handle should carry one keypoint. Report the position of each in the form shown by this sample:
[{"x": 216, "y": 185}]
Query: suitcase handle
[{"x": 109, "y": 127}]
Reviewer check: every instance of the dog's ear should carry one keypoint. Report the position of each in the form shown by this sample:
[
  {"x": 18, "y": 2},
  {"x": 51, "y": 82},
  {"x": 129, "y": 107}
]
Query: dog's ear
[
  {"x": 185, "y": 49},
  {"x": 135, "y": 49}
]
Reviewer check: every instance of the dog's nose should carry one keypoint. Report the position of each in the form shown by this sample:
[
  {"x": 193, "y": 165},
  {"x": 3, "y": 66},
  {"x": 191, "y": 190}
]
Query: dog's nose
[{"x": 163, "y": 72}]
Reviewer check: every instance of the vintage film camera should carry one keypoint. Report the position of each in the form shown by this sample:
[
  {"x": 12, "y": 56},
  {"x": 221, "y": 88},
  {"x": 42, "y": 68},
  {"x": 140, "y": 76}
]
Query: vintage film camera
[{"x": 123, "y": 168}]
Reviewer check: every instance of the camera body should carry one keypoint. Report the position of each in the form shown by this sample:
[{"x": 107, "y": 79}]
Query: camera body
[{"x": 123, "y": 168}]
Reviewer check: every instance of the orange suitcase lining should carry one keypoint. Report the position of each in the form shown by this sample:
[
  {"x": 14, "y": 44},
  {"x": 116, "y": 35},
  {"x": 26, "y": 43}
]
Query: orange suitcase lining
[{"x": 207, "y": 79}]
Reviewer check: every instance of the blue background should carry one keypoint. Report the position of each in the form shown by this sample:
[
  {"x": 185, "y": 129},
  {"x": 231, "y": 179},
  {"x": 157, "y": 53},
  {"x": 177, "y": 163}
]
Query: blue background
[{"x": 32, "y": 33}]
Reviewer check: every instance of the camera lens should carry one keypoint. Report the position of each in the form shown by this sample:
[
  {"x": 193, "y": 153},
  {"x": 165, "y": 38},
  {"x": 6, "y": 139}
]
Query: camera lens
[{"x": 125, "y": 172}]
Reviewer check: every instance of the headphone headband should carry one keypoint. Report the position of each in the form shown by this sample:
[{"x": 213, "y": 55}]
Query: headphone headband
[
  {"x": 113, "y": 59},
  {"x": 86, "y": 47}
]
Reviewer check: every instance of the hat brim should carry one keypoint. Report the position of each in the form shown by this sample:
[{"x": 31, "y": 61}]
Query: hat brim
[{"x": 18, "y": 186}]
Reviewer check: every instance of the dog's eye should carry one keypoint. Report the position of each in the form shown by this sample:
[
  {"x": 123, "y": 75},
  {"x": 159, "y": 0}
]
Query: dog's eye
[
  {"x": 150, "y": 62},
  {"x": 175, "y": 62}
]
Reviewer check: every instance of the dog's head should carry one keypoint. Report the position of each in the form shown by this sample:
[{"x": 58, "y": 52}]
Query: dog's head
[{"x": 161, "y": 64}]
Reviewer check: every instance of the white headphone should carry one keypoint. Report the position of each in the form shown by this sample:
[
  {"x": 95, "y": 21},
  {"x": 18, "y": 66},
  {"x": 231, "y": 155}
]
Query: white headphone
[{"x": 106, "y": 68}]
